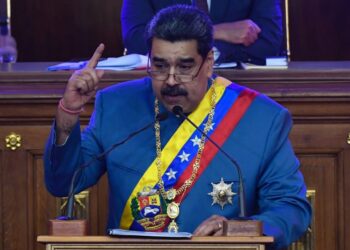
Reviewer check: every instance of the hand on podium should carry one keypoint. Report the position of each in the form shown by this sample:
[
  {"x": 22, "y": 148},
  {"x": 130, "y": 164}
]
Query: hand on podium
[
  {"x": 211, "y": 226},
  {"x": 217, "y": 225}
]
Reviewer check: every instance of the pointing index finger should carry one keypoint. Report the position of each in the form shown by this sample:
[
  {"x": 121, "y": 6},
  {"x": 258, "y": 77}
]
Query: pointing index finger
[{"x": 92, "y": 63}]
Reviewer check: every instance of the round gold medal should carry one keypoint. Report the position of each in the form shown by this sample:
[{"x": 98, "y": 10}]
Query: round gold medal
[{"x": 173, "y": 210}]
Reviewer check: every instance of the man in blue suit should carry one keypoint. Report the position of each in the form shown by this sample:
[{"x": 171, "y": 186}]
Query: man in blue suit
[
  {"x": 246, "y": 31},
  {"x": 170, "y": 177}
]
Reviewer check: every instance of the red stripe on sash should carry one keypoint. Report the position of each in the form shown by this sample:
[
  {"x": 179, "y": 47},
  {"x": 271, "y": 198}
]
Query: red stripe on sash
[{"x": 221, "y": 133}]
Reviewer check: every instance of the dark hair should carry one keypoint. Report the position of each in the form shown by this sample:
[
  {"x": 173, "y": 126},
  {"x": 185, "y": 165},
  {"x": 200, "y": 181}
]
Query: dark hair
[{"x": 181, "y": 23}]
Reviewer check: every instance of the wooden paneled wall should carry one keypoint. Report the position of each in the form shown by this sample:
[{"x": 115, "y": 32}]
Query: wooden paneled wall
[
  {"x": 319, "y": 29},
  {"x": 64, "y": 30}
]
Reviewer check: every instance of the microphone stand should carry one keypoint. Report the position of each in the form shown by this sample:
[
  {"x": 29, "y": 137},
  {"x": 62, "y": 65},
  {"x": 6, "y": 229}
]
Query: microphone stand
[
  {"x": 70, "y": 202},
  {"x": 68, "y": 225},
  {"x": 241, "y": 226}
]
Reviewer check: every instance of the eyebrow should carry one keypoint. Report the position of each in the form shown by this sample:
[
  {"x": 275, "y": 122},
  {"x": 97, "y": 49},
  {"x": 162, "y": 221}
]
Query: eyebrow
[
  {"x": 187, "y": 60},
  {"x": 181, "y": 60},
  {"x": 157, "y": 59}
]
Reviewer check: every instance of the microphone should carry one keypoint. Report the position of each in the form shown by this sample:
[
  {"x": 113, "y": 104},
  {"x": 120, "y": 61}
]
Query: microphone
[
  {"x": 70, "y": 203},
  {"x": 178, "y": 111}
]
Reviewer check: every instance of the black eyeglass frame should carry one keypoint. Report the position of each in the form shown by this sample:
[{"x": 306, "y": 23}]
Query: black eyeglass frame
[{"x": 177, "y": 77}]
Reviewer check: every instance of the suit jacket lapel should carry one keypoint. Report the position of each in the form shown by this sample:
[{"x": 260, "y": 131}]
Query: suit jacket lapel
[
  {"x": 218, "y": 10},
  {"x": 182, "y": 1}
]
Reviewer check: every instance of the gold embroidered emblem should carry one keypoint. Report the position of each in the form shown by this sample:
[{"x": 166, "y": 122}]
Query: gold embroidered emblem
[{"x": 148, "y": 209}]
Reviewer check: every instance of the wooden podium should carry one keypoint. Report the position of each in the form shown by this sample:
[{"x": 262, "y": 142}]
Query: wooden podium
[{"x": 105, "y": 242}]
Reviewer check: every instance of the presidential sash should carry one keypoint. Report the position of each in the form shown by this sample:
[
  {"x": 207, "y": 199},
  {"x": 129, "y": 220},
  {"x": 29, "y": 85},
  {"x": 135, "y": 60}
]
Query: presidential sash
[{"x": 145, "y": 209}]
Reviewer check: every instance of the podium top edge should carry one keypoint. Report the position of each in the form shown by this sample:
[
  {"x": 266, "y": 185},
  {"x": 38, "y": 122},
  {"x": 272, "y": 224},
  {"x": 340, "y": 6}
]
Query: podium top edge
[{"x": 194, "y": 239}]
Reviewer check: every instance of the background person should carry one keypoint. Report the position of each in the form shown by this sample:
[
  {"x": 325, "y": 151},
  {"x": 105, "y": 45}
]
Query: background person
[{"x": 246, "y": 31}]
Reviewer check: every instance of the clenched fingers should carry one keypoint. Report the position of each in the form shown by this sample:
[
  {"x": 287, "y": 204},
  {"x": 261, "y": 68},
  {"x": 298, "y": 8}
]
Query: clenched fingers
[
  {"x": 211, "y": 226},
  {"x": 84, "y": 81}
]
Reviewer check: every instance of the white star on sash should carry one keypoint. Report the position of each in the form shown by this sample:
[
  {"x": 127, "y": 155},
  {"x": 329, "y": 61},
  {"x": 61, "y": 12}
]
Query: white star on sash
[
  {"x": 196, "y": 141},
  {"x": 211, "y": 126},
  {"x": 184, "y": 156},
  {"x": 171, "y": 174}
]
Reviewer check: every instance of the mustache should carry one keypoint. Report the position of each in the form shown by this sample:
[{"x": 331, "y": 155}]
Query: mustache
[{"x": 173, "y": 91}]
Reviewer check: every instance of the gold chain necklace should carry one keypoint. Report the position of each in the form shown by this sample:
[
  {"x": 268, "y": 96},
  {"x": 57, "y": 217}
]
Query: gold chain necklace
[{"x": 173, "y": 209}]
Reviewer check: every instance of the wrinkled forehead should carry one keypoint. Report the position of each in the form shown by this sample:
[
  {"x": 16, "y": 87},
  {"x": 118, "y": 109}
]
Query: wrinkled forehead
[
  {"x": 179, "y": 60},
  {"x": 172, "y": 52}
]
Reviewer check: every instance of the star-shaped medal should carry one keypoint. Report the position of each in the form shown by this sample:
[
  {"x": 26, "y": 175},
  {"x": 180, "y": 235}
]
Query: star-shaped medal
[{"x": 222, "y": 193}]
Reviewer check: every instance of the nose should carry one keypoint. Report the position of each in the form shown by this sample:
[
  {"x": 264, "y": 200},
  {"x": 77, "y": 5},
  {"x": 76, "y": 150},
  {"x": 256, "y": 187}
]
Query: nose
[
  {"x": 171, "y": 80},
  {"x": 171, "y": 77}
]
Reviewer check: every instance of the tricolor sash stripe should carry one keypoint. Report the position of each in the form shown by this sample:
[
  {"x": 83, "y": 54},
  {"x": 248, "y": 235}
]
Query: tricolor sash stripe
[
  {"x": 171, "y": 149},
  {"x": 221, "y": 133},
  {"x": 176, "y": 162},
  {"x": 189, "y": 150}
]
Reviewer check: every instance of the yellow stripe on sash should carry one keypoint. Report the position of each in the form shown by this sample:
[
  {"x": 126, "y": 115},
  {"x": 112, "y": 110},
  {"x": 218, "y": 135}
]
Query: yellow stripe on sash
[{"x": 172, "y": 148}]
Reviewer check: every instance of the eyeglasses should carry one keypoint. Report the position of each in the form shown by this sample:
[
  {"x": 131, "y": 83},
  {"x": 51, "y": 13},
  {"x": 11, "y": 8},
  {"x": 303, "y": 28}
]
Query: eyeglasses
[{"x": 162, "y": 75}]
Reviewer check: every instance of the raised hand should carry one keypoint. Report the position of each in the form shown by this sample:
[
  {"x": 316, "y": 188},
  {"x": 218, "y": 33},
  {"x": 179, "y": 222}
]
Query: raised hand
[{"x": 82, "y": 85}]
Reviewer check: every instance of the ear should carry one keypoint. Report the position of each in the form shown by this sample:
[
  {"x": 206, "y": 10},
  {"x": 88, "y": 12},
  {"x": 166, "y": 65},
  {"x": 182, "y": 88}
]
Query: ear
[{"x": 210, "y": 63}]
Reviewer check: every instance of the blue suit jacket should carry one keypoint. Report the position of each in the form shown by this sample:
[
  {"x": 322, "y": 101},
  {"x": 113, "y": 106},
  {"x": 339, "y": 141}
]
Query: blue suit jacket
[
  {"x": 265, "y": 13},
  {"x": 275, "y": 191}
]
